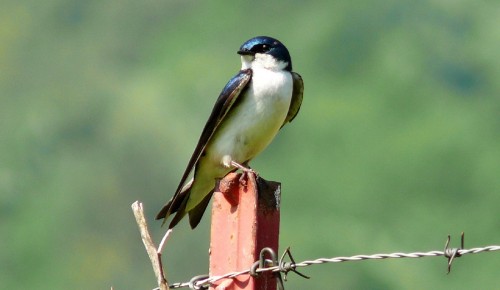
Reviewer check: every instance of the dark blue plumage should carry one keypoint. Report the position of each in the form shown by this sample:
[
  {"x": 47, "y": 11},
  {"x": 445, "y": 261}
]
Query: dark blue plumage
[{"x": 267, "y": 45}]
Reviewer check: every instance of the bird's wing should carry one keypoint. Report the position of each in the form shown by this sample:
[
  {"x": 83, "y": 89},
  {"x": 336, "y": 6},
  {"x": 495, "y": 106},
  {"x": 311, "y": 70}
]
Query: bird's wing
[
  {"x": 298, "y": 92},
  {"x": 227, "y": 98}
]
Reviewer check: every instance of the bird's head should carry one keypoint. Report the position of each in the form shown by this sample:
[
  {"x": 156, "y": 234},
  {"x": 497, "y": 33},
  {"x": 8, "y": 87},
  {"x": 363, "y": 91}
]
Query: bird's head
[{"x": 265, "y": 52}]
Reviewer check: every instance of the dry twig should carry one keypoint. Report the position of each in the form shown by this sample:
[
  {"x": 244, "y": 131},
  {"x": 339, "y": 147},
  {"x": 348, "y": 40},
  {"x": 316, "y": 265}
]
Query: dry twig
[{"x": 153, "y": 253}]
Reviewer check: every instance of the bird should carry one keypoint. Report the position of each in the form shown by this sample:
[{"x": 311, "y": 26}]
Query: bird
[{"x": 253, "y": 106}]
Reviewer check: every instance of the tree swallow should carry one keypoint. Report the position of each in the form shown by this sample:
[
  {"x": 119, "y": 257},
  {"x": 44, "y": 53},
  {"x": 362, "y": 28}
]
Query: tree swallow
[{"x": 250, "y": 110}]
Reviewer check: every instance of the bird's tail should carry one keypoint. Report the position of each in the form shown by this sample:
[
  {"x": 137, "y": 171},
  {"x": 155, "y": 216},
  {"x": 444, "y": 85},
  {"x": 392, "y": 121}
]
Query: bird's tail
[
  {"x": 178, "y": 205},
  {"x": 197, "y": 212}
]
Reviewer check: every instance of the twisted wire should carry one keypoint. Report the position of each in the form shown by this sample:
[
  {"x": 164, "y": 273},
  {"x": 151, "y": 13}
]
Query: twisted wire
[{"x": 203, "y": 282}]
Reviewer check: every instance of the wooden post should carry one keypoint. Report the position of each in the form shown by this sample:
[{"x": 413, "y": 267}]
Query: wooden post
[{"x": 245, "y": 219}]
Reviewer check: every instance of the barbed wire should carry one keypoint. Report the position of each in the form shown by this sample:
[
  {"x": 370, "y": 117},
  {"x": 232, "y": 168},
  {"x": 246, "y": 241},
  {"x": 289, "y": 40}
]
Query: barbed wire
[{"x": 203, "y": 281}]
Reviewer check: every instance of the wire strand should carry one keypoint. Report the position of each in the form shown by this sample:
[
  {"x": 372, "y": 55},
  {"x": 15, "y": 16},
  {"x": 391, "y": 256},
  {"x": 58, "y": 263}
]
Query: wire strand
[{"x": 199, "y": 284}]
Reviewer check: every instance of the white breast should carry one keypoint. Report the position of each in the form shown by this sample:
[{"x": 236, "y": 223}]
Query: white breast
[{"x": 253, "y": 124}]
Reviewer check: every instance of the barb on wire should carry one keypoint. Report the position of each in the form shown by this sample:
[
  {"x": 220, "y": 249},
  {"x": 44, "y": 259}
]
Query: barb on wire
[
  {"x": 452, "y": 253},
  {"x": 285, "y": 267}
]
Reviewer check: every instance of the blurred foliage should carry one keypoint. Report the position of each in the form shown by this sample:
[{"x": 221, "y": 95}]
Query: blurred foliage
[{"x": 397, "y": 143}]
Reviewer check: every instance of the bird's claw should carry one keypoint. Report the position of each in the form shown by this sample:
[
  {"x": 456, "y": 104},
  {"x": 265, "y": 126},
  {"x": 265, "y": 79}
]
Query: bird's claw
[
  {"x": 245, "y": 175},
  {"x": 246, "y": 171}
]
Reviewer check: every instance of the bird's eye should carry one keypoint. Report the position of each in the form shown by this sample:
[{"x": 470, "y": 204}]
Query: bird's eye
[{"x": 260, "y": 48}]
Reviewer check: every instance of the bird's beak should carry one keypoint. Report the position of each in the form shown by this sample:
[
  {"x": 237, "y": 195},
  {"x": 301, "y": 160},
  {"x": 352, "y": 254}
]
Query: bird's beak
[{"x": 245, "y": 52}]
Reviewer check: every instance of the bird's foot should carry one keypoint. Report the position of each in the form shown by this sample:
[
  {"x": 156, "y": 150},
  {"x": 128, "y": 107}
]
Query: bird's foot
[{"x": 246, "y": 171}]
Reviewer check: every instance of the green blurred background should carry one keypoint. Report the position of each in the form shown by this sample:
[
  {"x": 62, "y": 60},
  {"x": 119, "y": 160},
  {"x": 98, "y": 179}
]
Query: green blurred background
[{"x": 397, "y": 143}]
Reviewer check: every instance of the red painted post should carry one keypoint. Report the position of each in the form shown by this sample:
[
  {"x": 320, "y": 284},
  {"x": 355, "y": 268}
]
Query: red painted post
[{"x": 245, "y": 219}]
